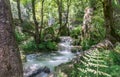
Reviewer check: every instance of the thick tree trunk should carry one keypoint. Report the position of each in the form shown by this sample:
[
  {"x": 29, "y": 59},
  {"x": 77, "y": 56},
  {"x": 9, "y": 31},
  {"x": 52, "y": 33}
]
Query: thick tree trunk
[
  {"x": 109, "y": 22},
  {"x": 37, "y": 36},
  {"x": 10, "y": 62}
]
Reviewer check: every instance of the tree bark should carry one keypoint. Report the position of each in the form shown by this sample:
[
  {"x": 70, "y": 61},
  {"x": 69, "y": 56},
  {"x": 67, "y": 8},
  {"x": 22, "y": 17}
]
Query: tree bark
[
  {"x": 86, "y": 28},
  {"x": 42, "y": 16},
  {"x": 109, "y": 22},
  {"x": 87, "y": 22},
  {"x": 37, "y": 36},
  {"x": 67, "y": 14},
  {"x": 59, "y": 4},
  {"x": 10, "y": 62}
]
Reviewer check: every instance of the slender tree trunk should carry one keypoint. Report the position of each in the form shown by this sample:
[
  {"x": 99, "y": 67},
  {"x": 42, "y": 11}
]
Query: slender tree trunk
[
  {"x": 10, "y": 62},
  {"x": 87, "y": 22},
  {"x": 67, "y": 15},
  {"x": 88, "y": 19},
  {"x": 37, "y": 36},
  {"x": 59, "y": 3},
  {"x": 19, "y": 11},
  {"x": 42, "y": 16}
]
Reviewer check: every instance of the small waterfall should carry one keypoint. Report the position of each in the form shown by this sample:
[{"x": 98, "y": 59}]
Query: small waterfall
[
  {"x": 65, "y": 44},
  {"x": 40, "y": 63}
]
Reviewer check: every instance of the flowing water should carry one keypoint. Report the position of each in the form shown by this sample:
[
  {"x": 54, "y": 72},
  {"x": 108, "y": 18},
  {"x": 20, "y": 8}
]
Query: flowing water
[{"x": 51, "y": 60}]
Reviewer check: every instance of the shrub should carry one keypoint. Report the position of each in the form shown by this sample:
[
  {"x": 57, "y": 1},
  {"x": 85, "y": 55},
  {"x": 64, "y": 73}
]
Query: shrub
[
  {"x": 75, "y": 32},
  {"x": 19, "y": 37},
  {"x": 46, "y": 46}
]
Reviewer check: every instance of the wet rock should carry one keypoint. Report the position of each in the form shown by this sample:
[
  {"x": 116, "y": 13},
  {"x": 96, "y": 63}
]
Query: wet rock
[
  {"x": 35, "y": 71},
  {"x": 76, "y": 48},
  {"x": 46, "y": 70}
]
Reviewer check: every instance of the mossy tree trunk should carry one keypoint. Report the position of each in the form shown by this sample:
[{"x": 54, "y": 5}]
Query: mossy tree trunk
[
  {"x": 10, "y": 62},
  {"x": 88, "y": 19},
  {"x": 109, "y": 22},
  {"x": 87, "y": 22}
]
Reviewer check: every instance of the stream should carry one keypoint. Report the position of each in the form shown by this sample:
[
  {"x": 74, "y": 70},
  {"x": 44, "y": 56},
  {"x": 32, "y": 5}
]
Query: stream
[{"x": 50, "y": 60}]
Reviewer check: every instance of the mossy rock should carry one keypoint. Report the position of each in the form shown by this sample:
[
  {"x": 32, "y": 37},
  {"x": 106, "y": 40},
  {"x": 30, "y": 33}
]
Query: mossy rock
[{"x": 48, "y": 34}]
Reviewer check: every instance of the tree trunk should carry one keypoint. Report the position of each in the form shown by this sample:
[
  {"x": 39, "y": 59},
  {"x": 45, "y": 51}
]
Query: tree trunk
[
  {"x": 19, "y": 11},
  {"x": 87, "y": 22},
  {"x": 59, "y": 3},
  {"x": 88, "y": 19},
  {"x": 67, "y": 14},
  {"x": 10, "y": 62},
  {"x": 109, "y": 22},
  {"x": 42, "y": 16},
  {"x": 37, "y": 36}
]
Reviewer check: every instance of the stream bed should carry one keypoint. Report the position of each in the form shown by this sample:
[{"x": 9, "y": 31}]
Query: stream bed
[{"x": 50, "y": 60}]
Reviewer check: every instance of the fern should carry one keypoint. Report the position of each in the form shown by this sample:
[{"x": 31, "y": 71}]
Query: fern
[{"x": 92, "y": 65}]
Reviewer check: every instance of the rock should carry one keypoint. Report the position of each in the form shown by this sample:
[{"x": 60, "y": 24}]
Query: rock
[
  {"x": 76, "y": 48},
  {"x": 46, "y": 70},
  {"x": 35, "y": 71}
]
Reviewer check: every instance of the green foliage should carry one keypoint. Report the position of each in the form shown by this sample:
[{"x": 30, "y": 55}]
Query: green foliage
[
  {"x": 48, "y": 34},
  {"x": 31, "y": 47},
  {"x": 98, "y": 30},
  {"x": 91, "y": 65},
  {"x": 27, "y": 26},
  {"x": 99, "y": 63},
  {"x": 113, "y": 60},
  {"x": 19, "y": 37},
  {"x": 64, "y": 31},
  {"x": 61, "y": 74},
  {"x": 87, "y": 43},
  {"x": 114, "y": 70},
  {"x": 76, "y": 32},
  {"x": 115, "y": 54},
  {"x": 48, "y": 46}
]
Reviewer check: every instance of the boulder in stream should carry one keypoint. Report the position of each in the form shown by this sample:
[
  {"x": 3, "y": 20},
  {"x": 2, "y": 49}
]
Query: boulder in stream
[{"x": 35, "y": 71}]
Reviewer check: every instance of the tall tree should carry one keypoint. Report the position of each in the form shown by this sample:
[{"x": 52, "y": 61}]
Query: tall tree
[
  {"x": 42, "y": 16},
  {"x": 37, "y": 36},
  {"x": 109, "y": 22},
  {"x": 67, "y": 14},
  {"x": 59, "y": 4},
  {"x": 87, "y": 19},
  {"x": 10, "y": 62}
]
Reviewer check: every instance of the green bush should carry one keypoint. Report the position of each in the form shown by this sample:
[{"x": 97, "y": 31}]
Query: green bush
[
  {"x": 19, "y": 37},
  {"x": 76, "y": 32},
  {"x": 47, "y": 46},
  {"x": 91, "y": 64},
  {"x": 87, "y": 43},
  {"x": 29, "y": 47}
]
